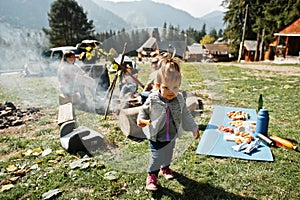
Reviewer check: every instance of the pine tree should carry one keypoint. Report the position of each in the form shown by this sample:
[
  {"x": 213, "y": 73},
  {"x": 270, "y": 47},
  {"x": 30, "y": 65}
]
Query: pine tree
[
  {"x": 68, "y": 23},
  {"x": 164, "y": 32},
  {"x": 213, "y": 33}
]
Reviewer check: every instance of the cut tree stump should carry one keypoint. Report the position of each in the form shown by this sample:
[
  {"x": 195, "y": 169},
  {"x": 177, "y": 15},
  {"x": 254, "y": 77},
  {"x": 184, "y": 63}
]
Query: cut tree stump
[
  {"x": 194, "y": 105},
  {"x": 128, "y": 116},
  {"x": 127, "y": 122}
]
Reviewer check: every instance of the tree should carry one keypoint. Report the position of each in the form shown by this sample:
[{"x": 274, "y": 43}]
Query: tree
[
  {"x": 164, "y": 32},
  {"x": 220, "y": 33},
  {"x": 202, "y": 32},
  {"x": 68, "y": 23},
  {"x": 192, "y": 34},
  {"x": 264, "y": 18},
  {"x": 155, "y": 33},
  {"x": 170, "y": 33},
  {"x": 207, "y": 39},
  {"x": 213, "y": 33}
]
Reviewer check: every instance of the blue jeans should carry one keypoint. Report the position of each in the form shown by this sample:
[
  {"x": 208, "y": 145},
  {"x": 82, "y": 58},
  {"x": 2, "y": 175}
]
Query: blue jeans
[{"x": 161, "y": 155}]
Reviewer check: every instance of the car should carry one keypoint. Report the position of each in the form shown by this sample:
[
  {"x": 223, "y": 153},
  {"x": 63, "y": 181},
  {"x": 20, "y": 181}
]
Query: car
[
  {"x": 127, "y": 61},
  {"x": 56, "y": 53},
  {"x": 52, "y": 57},
  {"x": 85, "y": 43},
  {"x": 48, "y": 62}
]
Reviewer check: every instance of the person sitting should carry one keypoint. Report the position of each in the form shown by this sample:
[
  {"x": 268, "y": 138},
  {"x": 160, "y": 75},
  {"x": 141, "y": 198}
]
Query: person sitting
[
  {"x": 155, "y": 65},
  {"x": 129, "y": 85},
  {"x": 151, "y": 80},
  {"x": 92, "y": 54},
  {"x": 73, "y": 81}
]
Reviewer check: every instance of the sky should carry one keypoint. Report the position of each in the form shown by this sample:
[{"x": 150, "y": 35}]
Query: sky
[{"x": 196, "y": 8}]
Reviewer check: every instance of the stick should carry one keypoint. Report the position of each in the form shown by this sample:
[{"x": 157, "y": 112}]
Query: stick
[
  {"x": 111, "y": 89},
  {"x": 130, "y": 74}
]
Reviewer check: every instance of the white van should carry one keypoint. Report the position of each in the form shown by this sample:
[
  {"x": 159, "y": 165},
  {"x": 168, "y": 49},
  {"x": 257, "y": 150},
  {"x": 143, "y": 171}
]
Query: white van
[
  {"x": 48, "y": 63},
  {"x": 56, "y": 53}
]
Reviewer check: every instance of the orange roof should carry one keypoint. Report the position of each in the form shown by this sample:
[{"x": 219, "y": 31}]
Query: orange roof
[{"x": 292, "y": 29}]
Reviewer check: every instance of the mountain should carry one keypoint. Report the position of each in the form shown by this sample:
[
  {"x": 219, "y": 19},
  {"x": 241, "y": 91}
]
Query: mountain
[
  {"x": 146, "y": 13},
  {"x": 108, "y": 15},
  {"x": 21, "y": 23},
  {"x": 103, "y": 19},
  {"x": 25, "y": 13}
]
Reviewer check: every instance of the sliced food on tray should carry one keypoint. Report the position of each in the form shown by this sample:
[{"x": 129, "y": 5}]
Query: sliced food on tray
[{"x": 238, "y": 115}]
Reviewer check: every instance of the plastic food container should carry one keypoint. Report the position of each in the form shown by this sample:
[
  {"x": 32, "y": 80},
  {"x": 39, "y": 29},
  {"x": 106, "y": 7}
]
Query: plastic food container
[{"x": 250, "y": 126}]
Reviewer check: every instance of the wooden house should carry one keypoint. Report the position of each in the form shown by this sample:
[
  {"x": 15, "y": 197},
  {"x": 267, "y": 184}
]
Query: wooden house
[
  {"x": 249, "y": 49},
  {"x": 194, "y": 53},
  {"x": 217, "y": 52},
  {"x": 154, "y": 45},
  {"x": 148, "y": 47},
  {"x": 287, "y": 42}
]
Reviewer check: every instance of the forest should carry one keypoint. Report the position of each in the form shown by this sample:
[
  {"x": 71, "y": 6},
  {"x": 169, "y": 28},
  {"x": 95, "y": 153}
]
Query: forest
[{"x": 253, "y": 19}]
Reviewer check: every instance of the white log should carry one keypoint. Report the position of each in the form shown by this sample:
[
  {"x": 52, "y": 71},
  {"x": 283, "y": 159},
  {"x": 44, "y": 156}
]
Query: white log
[
  {"x": 127, "y": 122},
  {"x": 65, "y": 113}
]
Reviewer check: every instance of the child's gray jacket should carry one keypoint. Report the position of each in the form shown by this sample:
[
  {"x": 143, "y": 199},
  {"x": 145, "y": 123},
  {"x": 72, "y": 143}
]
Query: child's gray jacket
[{"x": 155, "y": 109}]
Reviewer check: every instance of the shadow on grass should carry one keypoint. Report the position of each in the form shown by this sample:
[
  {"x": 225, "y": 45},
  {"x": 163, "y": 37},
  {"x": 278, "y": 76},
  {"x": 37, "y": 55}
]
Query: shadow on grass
[
  {"x": 202, "y": 127},
  {"x": 195, "y": 190}
]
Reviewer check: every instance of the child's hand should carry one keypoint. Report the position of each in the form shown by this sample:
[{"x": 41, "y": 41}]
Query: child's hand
[
  {"x": 143, "y": 122},
  {"x": 196, "y": 134}
]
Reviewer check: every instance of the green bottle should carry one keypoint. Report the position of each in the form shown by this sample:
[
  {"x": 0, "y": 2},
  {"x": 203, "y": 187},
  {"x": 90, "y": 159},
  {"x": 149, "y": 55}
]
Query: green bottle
[{"x": 260, "y": 103}]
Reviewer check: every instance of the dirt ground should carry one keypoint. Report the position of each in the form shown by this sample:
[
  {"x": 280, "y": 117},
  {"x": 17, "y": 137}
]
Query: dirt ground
[{"x": 283, "y": 69}]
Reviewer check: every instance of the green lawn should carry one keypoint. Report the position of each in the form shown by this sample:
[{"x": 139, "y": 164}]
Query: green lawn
[{"x": 197, "y": 176}]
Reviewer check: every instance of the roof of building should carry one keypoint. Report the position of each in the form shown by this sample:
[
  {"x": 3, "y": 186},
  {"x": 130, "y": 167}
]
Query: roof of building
[
  {"x": 217, "y": 47},
  {"x": 293, "y": 29},
  {"x": 172, "y": 46},
  {"x": 195, "y": 49},
  {"x": 149, "y": 44}
]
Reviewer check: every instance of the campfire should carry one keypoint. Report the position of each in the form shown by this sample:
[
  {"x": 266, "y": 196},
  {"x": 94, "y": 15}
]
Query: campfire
[{"x": 11, "y": 115}]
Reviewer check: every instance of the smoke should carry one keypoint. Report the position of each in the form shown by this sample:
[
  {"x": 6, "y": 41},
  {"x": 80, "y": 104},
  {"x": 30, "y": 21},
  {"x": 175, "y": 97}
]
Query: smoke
[
  {"x": 19, "y": 46},
  {"x": 210, "y": 85}
]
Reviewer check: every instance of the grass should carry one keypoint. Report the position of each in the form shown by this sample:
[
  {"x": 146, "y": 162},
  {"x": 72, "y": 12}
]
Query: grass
[{"x": 198, "y": 176}]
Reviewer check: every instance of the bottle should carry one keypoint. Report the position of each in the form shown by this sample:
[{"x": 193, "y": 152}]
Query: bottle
[
  {"x": 260, "y": 103},
  {"x": 267, "y": 140},
  {"x": 262, "y": 122},
  {"x": 283, "y": 142}
]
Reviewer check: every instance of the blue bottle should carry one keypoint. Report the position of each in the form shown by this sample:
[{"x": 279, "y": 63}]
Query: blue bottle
[{"x": 262, "y": 122}]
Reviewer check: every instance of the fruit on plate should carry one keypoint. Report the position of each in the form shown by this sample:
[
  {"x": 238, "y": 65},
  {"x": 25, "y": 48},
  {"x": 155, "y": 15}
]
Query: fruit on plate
[
  {"x": 238, "y": 115},
  {"x": 236, "y": 123},
  {"x": 239, "y": 137},
  {"x": 226, "y": 129}
]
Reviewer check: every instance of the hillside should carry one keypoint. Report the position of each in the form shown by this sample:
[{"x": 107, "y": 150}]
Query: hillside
[
  {"x": 108, "y": 15},
  {"x": 19, "y": 13},
  {"x": 149, "y": 14}
]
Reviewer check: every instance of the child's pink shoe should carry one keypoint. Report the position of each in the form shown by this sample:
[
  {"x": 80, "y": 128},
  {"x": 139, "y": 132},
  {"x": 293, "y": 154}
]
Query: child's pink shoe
[
  {"x": 167, "y": 173},
  {"x": 151, "y": 183}
]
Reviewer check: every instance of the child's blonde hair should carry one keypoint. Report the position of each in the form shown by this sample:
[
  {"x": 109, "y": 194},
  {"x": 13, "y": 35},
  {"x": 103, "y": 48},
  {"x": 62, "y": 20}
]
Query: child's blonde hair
[{"x": 169, "y": 70}]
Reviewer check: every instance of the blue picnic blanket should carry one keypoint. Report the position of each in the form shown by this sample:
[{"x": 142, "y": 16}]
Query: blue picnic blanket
[{"x": 213, "y": 143}]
